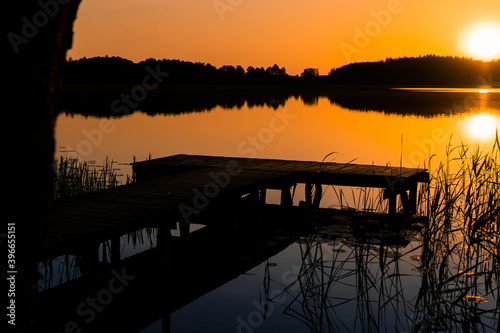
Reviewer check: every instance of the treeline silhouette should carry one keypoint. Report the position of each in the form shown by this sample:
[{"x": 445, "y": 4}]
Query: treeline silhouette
[
  {"x": 93, "y": 86},
  {"x": 419, "y": 71},
  {"x": 116, "y": 70},
  {"x": 407, "y": 71}
]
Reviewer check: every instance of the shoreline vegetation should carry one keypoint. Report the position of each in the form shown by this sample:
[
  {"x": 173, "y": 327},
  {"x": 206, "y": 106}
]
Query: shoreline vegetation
[
  {"x": 91, "y": 86},
  {"x": 458, "y": 247},
  {"x": 73, "y": 176},
  {"x": 428, "y": 70}
]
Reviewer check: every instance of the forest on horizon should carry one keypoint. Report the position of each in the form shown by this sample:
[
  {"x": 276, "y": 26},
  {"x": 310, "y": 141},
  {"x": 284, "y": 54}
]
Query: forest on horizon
[{"x": 406, "y": 71}]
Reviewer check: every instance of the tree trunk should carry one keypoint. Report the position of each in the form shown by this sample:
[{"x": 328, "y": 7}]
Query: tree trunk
[{"x": 38, "y": 35}]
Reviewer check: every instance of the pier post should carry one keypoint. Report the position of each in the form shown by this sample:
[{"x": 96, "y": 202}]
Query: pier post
[
  {"x": 90, "y": 261},
  {"x": 308, "y": 194},
  {"x": 286, "y": 197},
  {"x": 184, "y": 230},
  {"x": 392, "y": 204},
  {"x": 405, "y": 202},
  {"x": 409, "y": 200},
  {"x": 262, "y": 196},
  {"x": 317, "y": 195},
  {"x": 413, "y": 198},
  {"x": 115, "y": 250}
]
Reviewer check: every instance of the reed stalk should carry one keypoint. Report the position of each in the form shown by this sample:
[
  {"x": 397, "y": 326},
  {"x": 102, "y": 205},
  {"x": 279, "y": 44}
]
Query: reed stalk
[{"x": 73, "y": 177}]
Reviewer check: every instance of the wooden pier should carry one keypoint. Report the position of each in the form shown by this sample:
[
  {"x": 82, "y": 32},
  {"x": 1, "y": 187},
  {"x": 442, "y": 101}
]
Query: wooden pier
[{"x": 180, "y": 188}]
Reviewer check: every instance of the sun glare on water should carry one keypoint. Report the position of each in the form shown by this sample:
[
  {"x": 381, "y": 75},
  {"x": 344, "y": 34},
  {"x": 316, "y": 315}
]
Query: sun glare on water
[{"x": 482, "y": 126}]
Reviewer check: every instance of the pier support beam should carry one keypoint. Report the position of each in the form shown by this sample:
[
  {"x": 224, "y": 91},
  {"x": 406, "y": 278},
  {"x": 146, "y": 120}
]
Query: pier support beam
[
  {"x": 392, "y": 204},
  {"x": 308, "y": 194},
  {"x": 286, "y": 197},
  {"x": 262, "y": 196},
  {"x": 115, "y": 250},
  {"x": 413, "y": 199},
  {"x": 408, "y": 192},
  {"x": 317, "y": 195},
  {"x": 90, "y": 262}
]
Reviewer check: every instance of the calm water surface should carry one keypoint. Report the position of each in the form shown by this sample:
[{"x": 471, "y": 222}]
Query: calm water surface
[
  {"x": 316, "y": 283},
  {"x": 293, "y": 131}
]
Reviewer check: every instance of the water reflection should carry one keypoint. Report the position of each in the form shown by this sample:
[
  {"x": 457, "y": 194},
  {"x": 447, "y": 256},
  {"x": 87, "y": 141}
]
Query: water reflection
[
  {"x": 482, "y": 126},
  {"x": 365, "y": 127},
  {"x": 338, "y": 273},
  {"x": 373, "y": 275},
  {"x": 410, "y": 101},
  {"x": 340, "y": 278}
]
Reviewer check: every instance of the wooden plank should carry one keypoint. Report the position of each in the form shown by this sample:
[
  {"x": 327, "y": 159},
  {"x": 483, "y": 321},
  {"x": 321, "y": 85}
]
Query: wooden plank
[{"x": 101, "y": 214}]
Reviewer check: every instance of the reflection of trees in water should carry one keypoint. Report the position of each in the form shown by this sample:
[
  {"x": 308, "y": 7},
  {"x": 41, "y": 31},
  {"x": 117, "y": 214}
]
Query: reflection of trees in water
[
  {"x": 96, "y": 102},
  {"x": 178, "y": 100}
]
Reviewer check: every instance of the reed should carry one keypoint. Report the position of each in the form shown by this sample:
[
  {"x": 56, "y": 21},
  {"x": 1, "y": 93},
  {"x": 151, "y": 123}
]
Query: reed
[
  {"x": 458, "y": 252},
  {"x": 335, "y": 273},
  {"x": 73, "y": 177},
  {"x": 460, "y": 244}
]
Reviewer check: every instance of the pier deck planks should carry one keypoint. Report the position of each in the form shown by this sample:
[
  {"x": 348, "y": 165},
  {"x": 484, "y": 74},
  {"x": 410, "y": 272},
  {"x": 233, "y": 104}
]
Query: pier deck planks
[{"x": 95, "y": 217}]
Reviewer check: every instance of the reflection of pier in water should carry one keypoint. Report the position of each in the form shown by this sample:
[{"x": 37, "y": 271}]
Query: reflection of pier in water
[
  {"x": 156, "y": 282},
  {"x": 227, "y": 195},
  {"x": 184, "y": 187}
]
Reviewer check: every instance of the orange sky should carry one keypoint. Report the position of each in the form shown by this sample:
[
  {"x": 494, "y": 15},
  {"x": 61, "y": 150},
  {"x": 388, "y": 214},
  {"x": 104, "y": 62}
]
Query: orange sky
[{"x": 294, "y": 34}]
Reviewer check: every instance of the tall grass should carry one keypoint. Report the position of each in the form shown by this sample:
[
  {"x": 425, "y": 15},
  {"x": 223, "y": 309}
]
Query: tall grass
[
  {"x": 460, "y": 244},
  {"x": 73, "y": 177},
  {"x": 458, "y": 252}
]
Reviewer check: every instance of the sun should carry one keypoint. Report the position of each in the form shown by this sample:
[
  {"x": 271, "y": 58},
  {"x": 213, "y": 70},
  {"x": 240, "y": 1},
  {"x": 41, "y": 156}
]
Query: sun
[{"x": 482, "y": 41}]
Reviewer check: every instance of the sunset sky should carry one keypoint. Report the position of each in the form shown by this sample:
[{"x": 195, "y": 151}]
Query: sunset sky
[{"x": 294, "y": 34}]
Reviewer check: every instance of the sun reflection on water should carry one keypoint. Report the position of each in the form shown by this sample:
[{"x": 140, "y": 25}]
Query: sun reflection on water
[{"x": 482, "y": 126}]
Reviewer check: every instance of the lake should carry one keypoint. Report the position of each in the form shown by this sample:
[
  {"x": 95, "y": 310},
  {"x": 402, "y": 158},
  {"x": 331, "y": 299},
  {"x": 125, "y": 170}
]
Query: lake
[
  {"x": 381, "y": 129},
  {"x": 325, "y": 280}
]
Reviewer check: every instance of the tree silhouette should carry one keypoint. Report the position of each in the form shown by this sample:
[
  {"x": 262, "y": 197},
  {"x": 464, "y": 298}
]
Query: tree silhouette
[
  {"x": 424, "y": 70},
  {"x": 310, "y": 72}
]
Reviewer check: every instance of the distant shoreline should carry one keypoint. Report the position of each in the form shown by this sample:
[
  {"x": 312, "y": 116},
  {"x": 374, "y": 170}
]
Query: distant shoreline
[
  {"x": 331, "y": 87},
  {"x": 111, "y": 100},
  {"x": 424, "y": 71}
]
